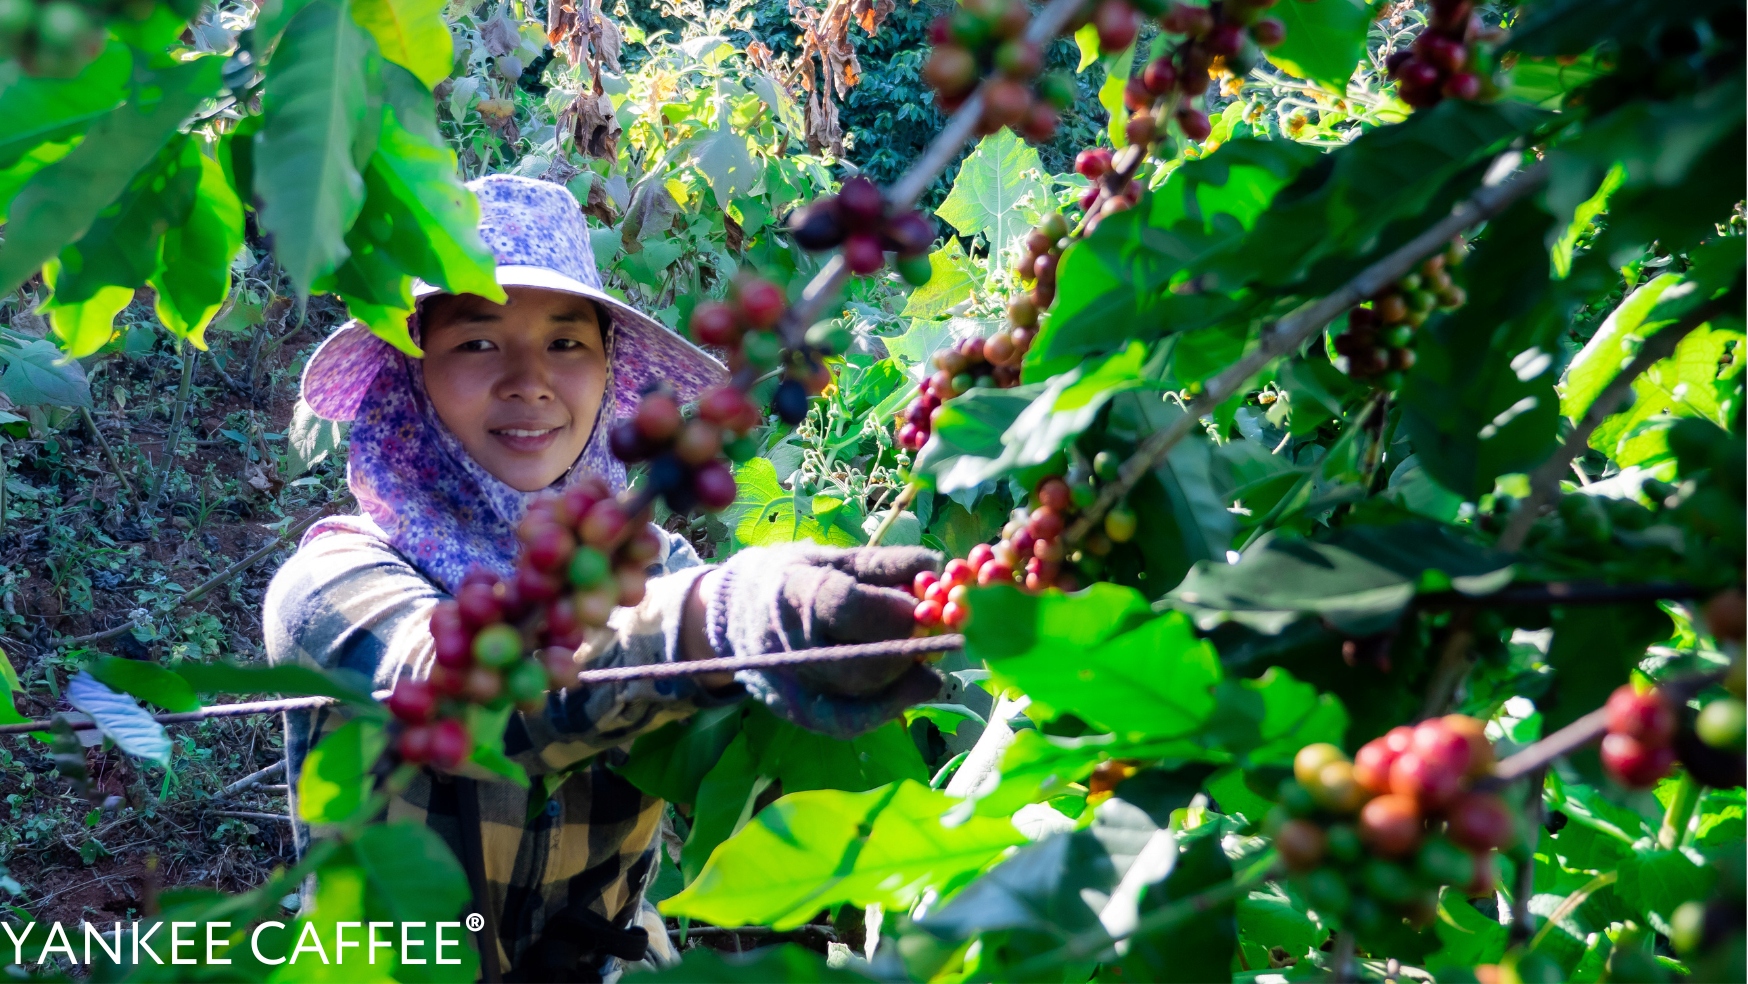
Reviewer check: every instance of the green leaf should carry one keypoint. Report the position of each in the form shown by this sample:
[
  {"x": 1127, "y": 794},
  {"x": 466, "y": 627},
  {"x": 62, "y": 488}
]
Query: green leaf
[
  {"x": 26, "y": 167},
  {"x": 83, "y": 326},
  {"x": 1069, "y": 404},
  {"x": 999, "y": 192},
  {"x": 804, "y": 760},
  {"x": 1657, "y": 882},
  {"x": 47, "y": 109},
  {"x": 1358, "y": 578},
  {"x": 950, "y": 284},
  {"x": 434, "y": 217},
  {"x": 1117, "y": 280},
  {"x": 317, "y": 132},
  {"x": 918, "y": 345},
  {"x": 1111, "y": 97},
  {"x": 1480, "y": 400},
  {"x": 409, "y": 33},
  {"x": 334, "y": 784},
  {"x": 1267, "y": 919},
  {"x": 286, "y": 679},
  {"x": 309, "y": 440},
  {"x": 1267, "y": 720},
  {"x": 723, "y": 157},
  {"x": 1199, "y": 948},
  {"x": 1138, "y": 676},
  {"x": 724, "y": 803},
  {"x": 9, "y": 685},
  {"x": 195, "y": 276},
  {"x": 412, "y": 871},
  {"x": 809, "y": 851},
  {"x": 147, "y": 681},
  {"x": 788, "y": 962},
  {"x": 1325, "y": 41},
  {"x": 764, "y": 513},
  {"x": 671, "y": 761},
  {"x": 62, "y": 200},
  {"x": 1615, "y": 343},
  {"x": 487, "y": 728},
  {"x": 120, "y": 719},
  {"x": 965, "y": 447},
  {"x": 122, "y": 247},
  {"x": 39, "y": 374},
  {"x": 1468, "y": 937}
]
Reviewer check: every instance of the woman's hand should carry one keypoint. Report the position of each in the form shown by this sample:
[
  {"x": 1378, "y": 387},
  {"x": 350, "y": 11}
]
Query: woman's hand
[{"x": 803, "y": 596}]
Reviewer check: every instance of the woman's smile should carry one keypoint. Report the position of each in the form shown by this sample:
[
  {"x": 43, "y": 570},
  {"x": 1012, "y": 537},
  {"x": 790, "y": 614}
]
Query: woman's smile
[{"x": 527, "y": 440}]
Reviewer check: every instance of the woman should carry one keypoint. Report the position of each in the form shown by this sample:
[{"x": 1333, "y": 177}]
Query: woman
[{"x": 508, "y": 401}]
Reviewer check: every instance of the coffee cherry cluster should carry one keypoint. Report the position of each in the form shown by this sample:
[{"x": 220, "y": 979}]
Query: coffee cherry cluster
[
  {"x": 1232, "y": 35},
  {"x": 1373, "y": 839},
  {"x": 858, "y": 219},
  {"x": 1441, "y": 63},
  {"x": 1031, "y": 553},
  {"x": 1094, "y": 163},
  {"x": 1639, "y": 747},
  {"x": 57, "y": 38},
  {"x": 582, "y": 555},
  {"x": 1040, "y": 254},
  {"x": 746, "y": 326},
  {"x": 683, "y": 455},
  {"x": 985, "y": 39},
  {"x": 1378, "y": 344},
  {"x": 971, "y": 363}
]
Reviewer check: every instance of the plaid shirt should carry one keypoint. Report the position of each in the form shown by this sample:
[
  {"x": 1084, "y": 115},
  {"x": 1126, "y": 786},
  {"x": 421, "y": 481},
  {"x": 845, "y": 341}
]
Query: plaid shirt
[{"x": 349, "y": 600}]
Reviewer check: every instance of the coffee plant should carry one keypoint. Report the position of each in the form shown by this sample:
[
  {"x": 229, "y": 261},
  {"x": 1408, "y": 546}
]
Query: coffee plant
[{"x": 1344, "y": 519}]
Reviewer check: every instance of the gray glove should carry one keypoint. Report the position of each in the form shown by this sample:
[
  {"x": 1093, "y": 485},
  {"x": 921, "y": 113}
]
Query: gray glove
[{"x": 776, "y": 599}]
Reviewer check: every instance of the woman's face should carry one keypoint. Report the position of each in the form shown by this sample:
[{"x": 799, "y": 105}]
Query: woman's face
[{"x": 518, "y": 383}]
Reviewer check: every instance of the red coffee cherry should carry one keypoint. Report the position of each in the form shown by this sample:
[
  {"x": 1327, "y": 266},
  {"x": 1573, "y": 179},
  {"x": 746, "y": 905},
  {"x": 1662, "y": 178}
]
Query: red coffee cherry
[
  {"x": 1481, "y": 821},
  {"x": 1390, "y": 825},
  {"x": 413, "y": 701},
  {"x": 1430, "y": 783},
  {"x": 715, "y": 323},
  {"x": 1633, "y": 763},
  {"x": 450, "y": 744},
  {"x": 1645, "y": 716}
]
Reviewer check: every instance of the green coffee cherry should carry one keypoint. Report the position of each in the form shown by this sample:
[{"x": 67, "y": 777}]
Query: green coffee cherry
[
  {"x": 497, "y": 646},
  {"x": 589, "y": 567},
  {"x": 1723, "y": 724},
  {"x": 526, "y": 682},
  {"x": 830, "y": 336},
  {"x": 916, "y": 270}
]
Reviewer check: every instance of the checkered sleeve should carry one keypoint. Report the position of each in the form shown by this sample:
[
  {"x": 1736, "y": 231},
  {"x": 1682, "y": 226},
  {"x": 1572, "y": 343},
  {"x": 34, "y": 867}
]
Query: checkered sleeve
[{"x": 348, "y": 601}]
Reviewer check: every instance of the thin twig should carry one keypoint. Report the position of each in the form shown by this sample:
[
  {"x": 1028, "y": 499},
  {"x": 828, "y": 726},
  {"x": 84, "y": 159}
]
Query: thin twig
[
  {"x": 250, "y": 815},
  {"x": 182, "y": 717},
  {"x": 109, "y": 452},
  {"x": 251, "y": 780},
  {"x": 1545, "y": 481},
  {"x": 1522, "y": 920},
  {"x": 1561, "y": 743},
  {"x": 898, "y": 505},
  {"x": 1295, "y": 329},
  {"x": 178, "y": 420}
]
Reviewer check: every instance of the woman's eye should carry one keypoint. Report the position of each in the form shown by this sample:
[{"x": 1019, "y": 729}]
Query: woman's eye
[
  {"x": 566, "y": 345},
  {"x": 475, "y": 345}
]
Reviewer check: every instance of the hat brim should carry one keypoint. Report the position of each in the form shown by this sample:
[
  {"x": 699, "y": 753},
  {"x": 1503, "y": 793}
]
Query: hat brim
[{"x": 645, "y": 352}]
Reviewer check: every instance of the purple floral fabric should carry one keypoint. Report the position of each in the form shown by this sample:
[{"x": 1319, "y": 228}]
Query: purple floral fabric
[{"x": 416, "y": 485}]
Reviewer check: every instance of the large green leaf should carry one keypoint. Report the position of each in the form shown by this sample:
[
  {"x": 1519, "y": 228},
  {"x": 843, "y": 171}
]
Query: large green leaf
[
  {"x": 1113, "y": 285},
  {"x": 723, "y": 157},
  {"x": 1358, "y": 578},
  {"x": 1196, "y": 949},
  {"x": 950, "y": 283},
  {"x": 998, "y": 192},
  {"x": 1325, "y": 40},
  {"x": 1468, "y": 937},
  {"x": 59, "y": 203},
  {"x": 1658, "y": 882},
  {"x": 334, "y": 784},
  {"x": 85, "y": 326},
  {"x": 147, "y": 681},
  {"x": 810, "y": 851},
  {"x": 764, "y": 513},
  {"x": 288, "y": 679},
  {"x": 1139, "y": 677},
  {"x": 1267, "y": 720},
  {"x": 122, "y": 247},
  {"x": 723, "y": 804},
  {"x": 45, "y": 109},
  {"x": 194, "y": 278},
  {"x": 318, "y": 132},
  {"x": 8, "y": 686},
  {"x": 39, "y": 374},
  {"x": 412, "y": 871},
  {"x": 965, "y": 447},
  {"x": 120, "y": 719},
  {"x": 671, "y": 761},
  {"x": 409, "y": 33},
  {"x": 1480, "y": 400},
  {"x": 804, "y": 760}
]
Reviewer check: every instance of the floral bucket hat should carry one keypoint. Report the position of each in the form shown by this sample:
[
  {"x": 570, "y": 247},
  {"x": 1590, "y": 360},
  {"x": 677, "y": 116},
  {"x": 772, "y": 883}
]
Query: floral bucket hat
[
  {"x": 417, "y": 487},
  {"x": 536, "y": 232}
]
